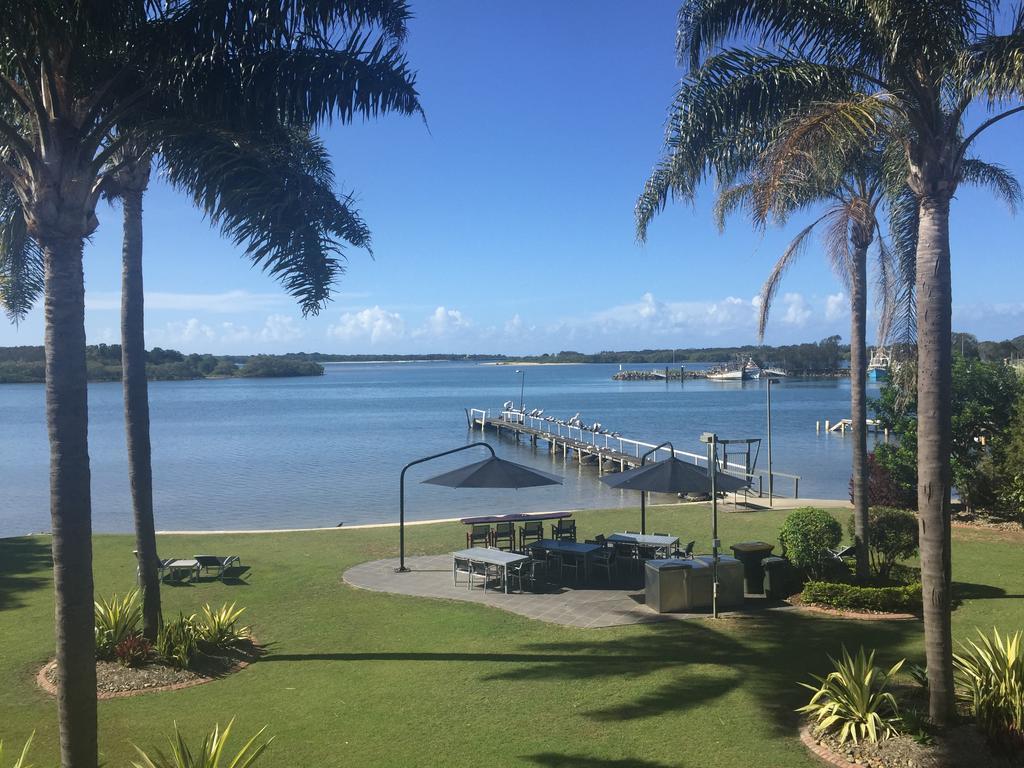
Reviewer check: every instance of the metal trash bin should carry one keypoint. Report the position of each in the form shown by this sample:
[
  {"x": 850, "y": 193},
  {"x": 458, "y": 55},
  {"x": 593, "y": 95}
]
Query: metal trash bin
[
  {"x": 751, "y": 553},
  {"x": 777, "y": 577},
  {"x": 676, "y": 585},
  {"x": 730, "y": 580}
]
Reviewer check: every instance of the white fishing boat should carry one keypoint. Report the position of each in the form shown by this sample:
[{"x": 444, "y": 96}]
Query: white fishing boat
[
  {"x": 878, "y": 366},
  {"x": 728, "y": 373}
]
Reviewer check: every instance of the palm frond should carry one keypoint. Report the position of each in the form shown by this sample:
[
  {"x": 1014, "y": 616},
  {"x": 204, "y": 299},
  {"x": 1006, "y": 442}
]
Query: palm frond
[
  {"x": 996, "y": 178},
  {"x": 273, "y": 194},
  {"x": 21, "y": 260},
  {"x": 771, "y": 285},
  {"x": 899, "y": 298},
  {"x": 724, "y": 116}
]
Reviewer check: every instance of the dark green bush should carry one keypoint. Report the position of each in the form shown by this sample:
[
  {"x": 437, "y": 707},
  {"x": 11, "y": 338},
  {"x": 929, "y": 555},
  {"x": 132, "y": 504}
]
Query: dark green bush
[
  {"x": 892, "y": 536},
  {"x": 849, "y": 597},
  {"x": 806, "y": 537}
]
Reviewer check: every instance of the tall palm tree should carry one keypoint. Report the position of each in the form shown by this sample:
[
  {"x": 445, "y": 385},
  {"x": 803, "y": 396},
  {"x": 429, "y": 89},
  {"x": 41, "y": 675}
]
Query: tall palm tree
[
  {"x": 853, "y": 188},
  {"x": 847, "y": 66},
  {"x": 71, "y": 72}
]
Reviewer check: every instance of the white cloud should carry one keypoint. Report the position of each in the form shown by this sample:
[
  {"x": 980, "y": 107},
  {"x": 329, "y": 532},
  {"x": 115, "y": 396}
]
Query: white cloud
[
  {"x": 182, "y": 332},
  {"x": 651, "y": 316},
  {"x": 374, "y": 324},
  {"x": 797, "y": 311},
  {"x": 443, "y": 322},
  {"x": 279, "y": 328},
  {"x": 836, "y": 306},
  {"x": 220, "y": 303}
]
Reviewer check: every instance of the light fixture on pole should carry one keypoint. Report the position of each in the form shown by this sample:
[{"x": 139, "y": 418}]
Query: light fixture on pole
[
  {"x": 522, "y": 388},
  {"x": 771, "y": 477},
  {"x": 711, "y": 439}
]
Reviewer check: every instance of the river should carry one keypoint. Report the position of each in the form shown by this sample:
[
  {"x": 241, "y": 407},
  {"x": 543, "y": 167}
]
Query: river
[{"x": 318, "y": 451}]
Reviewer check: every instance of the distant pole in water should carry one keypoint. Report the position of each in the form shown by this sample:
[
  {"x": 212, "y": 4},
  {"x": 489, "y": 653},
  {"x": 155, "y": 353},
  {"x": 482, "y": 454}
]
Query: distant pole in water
[{"x": 522, "y": 387}]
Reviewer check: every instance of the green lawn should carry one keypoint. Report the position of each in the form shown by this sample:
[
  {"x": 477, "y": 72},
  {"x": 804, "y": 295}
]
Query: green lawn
[{"x": 356, "y": 678}]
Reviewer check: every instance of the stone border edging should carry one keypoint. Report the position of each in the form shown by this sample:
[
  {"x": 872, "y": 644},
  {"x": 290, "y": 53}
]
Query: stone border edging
[
  {"x": 43, "y": 682},
  {"x": 858, "y": 615},
  {"x": 822, "y": 752}
]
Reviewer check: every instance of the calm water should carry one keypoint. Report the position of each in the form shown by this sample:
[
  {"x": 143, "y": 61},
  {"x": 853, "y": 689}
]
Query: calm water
[{"x": 318, "y": 451}]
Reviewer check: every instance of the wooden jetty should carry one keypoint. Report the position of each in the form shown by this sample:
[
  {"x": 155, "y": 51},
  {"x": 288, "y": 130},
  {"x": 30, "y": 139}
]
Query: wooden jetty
[
  {"x": 609, "y": 452},
  {"x": 873, "y": 425}
]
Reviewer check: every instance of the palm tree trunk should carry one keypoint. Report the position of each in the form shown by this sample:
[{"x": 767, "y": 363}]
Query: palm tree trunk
[
  {"x": 934, "y": 432},
  {"x": 858, "y": 402},
  {"x": 70, "y": 503},
  {"x": 136, "y": 407}
]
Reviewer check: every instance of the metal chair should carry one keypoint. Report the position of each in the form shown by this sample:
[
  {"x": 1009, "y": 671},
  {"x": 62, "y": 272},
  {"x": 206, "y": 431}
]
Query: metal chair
[
  {"x": 523, "y": 572},
  {"x": 530, "y": 532},
  {"x": 564, "y": 530},
  {"x": 462, "y": 565},
  {"x": 479, "y": 535},
  {"x": 685, "y": 553},
  {"x": 483, "y": 570},
  {"x": 504, "y": 536},
  {"x": 569, "y": 563},
  {"x": 604, "y": 558}
]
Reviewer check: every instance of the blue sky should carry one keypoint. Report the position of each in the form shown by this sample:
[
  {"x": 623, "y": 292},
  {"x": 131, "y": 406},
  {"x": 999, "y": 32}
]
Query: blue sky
[{"x": 505, "y": 225}]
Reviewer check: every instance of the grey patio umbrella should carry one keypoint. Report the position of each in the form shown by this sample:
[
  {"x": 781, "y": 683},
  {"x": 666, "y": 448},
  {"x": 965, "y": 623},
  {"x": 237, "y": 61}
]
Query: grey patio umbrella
[
  {"x": 494, "y": 473},
  {"x": 489, "y": 473},
  {"x": 669, "y": 476}
]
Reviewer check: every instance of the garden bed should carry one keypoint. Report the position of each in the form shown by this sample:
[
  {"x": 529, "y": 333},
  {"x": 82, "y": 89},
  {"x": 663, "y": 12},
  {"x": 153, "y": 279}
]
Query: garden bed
[
  {"x": 962, "y": 746},
  {"x": 115, "y": 680}
]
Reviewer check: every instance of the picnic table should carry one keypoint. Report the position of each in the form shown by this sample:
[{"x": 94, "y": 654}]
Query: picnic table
[
  {"x": 573, "y": 548},
  {"x": 496, "y": 557}
]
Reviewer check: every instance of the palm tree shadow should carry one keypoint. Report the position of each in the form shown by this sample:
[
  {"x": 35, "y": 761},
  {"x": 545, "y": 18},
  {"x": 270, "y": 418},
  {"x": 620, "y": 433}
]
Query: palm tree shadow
[
  {"x": 556, "y": 760},
  {"x": 25, "y": 564}
]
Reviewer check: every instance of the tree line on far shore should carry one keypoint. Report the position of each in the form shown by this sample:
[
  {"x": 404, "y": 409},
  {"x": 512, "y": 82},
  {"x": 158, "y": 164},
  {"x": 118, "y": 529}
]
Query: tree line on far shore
[{"x": 26, "y": 365}]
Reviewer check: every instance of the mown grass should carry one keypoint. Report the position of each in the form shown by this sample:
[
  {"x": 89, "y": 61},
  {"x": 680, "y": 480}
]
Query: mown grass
[{"x": 355, "y": 678}]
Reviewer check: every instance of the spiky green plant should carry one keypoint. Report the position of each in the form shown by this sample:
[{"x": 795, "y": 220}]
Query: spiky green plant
[
  {"x": 854, "y": 699},
  {"x": 116, "y": 620},
  {"x": 990, "y": 679},
  {"x": 218, "y": 628},
  {"x": 176, "y": 641},
  {"x": 208, "y": 755},
  {"x": 22, "y": 761}
]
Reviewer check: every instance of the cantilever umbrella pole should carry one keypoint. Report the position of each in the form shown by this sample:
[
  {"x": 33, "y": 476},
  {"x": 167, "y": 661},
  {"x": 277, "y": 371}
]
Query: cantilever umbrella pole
[
  {"x": 401, "y": 495},
  {"x": 643, "y": 494}
]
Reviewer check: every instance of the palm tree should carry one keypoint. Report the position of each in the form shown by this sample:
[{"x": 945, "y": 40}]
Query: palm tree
[
  {"x": 853, "y": 188},
  {"x": 72, "y": 74},
  {"x": 847, "y": 67}
]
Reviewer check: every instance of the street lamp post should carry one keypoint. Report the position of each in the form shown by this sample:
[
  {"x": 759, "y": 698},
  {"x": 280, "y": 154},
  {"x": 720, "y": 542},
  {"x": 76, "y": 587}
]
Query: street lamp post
[
  {"x": 712, "y": 442},
  {"x": 522, "y": 388}
]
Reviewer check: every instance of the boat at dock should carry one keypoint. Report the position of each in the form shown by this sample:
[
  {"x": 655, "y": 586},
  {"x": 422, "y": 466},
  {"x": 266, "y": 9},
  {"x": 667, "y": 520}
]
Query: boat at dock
[
  {"x": 728, "y": 373},
  {"x": 878, "y": 366}
]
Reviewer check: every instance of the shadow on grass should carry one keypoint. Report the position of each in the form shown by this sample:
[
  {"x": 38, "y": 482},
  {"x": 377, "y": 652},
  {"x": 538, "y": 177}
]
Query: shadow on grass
[
  {"x": 555, "y": 760},
  {"x": 963, "y": 590},
  {"x": 766, "y": 655},
  {"x": 24, "y": 566}
]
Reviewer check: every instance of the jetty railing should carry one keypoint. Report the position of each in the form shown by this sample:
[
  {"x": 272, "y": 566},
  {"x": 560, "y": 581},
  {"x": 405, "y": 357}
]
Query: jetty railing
[{"x": 622, "y": 445}]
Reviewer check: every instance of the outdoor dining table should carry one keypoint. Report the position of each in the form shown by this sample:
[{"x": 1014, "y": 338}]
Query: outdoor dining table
[
  {"x": 189, "y": 566},
  {"x": 583, "y": 551},
  {"x": 645, "y": 540},
  {"x": 492, "y": 557}
]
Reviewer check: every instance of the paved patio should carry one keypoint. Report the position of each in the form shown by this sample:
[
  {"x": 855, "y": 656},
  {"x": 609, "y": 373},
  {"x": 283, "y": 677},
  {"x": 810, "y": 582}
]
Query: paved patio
[{"x": 586, "y": 607}]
